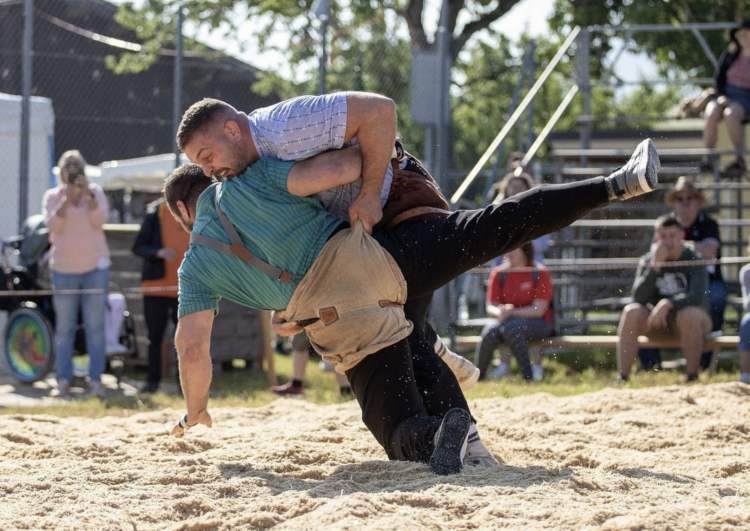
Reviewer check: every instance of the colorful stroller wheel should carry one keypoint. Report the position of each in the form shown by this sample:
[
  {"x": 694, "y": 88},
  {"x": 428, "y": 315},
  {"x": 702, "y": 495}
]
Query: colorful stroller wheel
[{"x": 29, "y": 345}]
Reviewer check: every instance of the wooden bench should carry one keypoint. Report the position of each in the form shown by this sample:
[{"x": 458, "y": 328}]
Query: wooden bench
[{"x": 713, "y": 342}]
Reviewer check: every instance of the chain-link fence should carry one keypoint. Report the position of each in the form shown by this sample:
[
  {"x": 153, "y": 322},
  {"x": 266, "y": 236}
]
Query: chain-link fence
[{"x": 106, "y": 116}]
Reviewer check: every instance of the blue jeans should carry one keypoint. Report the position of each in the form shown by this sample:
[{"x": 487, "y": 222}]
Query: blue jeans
[
  {"x": 93, "y": 308},
  {"x": 717, "y": 300},
  {"x": 745, "y": 332},
  {"x": 517, "y": 333}
]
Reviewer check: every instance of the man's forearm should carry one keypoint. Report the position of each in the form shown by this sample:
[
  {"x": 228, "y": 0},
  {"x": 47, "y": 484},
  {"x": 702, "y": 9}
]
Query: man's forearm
[
  {"x": 372, "y": 120},
  {"x": 644, "y": 285},
  {"x": 325, "y": 171},
  {"x": 193, "y": 343},
  {"x": 195, "y": 378}
]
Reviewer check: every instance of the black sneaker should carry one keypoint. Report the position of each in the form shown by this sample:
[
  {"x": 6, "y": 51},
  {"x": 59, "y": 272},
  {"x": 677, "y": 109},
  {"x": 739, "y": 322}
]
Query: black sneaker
[
  {"x": 639, "y": 176},
  {"x": 149, "y": 388},
  {"x": 450, "y": 443},
  {"x": 736, "y": 168},
  {"x": 620, "y": 381}
]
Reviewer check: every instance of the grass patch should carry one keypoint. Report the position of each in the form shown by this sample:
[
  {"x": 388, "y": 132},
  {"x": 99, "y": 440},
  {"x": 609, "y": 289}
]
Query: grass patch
[{"x": 566, "y": 374}]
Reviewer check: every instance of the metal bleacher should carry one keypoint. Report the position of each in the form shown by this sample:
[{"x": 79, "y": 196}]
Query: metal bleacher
[{"x": 593, "y": 261}]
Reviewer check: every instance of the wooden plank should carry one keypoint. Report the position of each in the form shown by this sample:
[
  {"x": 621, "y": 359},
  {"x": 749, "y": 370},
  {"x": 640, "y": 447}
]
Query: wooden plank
[{"x": 592, "y": 341}]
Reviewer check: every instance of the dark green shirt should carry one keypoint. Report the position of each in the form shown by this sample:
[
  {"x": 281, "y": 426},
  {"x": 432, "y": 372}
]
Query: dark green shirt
[{"x": 684, "y": 285}]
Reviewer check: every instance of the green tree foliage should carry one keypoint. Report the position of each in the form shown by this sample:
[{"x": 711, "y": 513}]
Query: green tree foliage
[
  {"x": 370, "y": 42},
  {"x": 673, "y": 51},
  {"x": 153, "y": 22}
]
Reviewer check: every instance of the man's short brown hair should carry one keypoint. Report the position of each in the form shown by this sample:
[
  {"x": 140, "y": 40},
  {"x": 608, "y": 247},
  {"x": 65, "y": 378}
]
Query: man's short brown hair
[
  {"x": 666, "y": 221},
  {"x": 199, "y": 116},
  {"x": 185, "y": 184}
]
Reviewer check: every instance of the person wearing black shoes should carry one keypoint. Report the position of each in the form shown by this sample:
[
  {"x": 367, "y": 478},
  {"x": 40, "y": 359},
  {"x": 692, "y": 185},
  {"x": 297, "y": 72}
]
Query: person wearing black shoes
[{"x": 162, "y": 243}]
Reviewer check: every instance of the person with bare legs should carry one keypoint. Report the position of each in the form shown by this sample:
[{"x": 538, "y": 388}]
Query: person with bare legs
[
  {"x": 300, "y": 357},
  {"x": 732, "y": 103}
]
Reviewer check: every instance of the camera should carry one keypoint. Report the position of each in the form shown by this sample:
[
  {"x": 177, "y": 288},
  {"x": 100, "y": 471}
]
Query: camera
[{"x": 74, "y": 174}]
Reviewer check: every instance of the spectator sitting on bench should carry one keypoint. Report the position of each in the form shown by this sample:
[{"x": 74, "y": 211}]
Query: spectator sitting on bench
[
  {"x": 668, "y": 299},
  {"x": 744, "y": 348},
  {"x": 732, "y": 103},
  {"x": 521, "y": 302},
  {"x": 702, "y": 232}
]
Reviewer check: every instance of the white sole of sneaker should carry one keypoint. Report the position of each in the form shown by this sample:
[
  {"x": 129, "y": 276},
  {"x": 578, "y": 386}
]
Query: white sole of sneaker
[
  {"x": 648, "y": 154},
  {"x": 450, "y": 449}
]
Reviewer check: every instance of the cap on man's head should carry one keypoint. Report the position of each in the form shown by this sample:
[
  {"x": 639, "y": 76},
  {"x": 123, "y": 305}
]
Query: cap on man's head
[{"x": 684, "y": 184}]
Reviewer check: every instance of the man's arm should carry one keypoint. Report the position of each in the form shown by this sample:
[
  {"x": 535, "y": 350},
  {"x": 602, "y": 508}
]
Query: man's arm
[
  {"x": 193, "y": 344},
  {"x": 708, "y": 248},
  {"x": 372, "y": 119},
  {"x": 325, "y": 171},
  {"x": 644, "y": 284}
]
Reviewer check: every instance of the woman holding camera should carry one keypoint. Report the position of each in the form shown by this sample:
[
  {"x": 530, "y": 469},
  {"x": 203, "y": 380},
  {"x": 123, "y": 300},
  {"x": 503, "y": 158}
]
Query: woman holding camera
[{"x": 75, "y": 212}]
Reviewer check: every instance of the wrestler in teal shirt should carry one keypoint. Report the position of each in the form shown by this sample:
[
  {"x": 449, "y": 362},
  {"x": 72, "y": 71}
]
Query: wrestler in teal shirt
[{"x": 281, "y": 229}]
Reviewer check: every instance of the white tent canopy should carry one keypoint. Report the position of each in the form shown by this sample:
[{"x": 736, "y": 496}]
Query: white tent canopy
[{"x": 143, "y": 174}]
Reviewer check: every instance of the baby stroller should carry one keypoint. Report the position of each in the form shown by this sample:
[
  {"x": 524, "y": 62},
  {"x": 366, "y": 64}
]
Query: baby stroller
[{"x": 28, "y": 338}]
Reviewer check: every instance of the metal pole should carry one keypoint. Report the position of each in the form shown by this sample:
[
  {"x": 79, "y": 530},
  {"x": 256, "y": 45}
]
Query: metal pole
[
  {"x": 443, "y": 41},
  {"x": 445, "y": 296},
  {"x": 323, "y": 57},
  {"x": 512, "y": 120},
  {"x": 26, "y": 79},
  {"x": 530, "y": 113},
  {"x": 584, "y": 83},
  {"x": 177, "y": 84}
]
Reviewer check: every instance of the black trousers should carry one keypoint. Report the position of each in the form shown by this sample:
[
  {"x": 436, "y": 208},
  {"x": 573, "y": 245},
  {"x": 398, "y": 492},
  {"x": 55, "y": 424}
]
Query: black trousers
[
  {"x": 405, "y": 389},
  {"x": 157, "y": 312}
]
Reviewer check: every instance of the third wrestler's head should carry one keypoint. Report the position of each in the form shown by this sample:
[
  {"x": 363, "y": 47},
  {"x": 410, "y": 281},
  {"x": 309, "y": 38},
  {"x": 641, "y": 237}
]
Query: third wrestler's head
[{"x": 181, "y": 191}]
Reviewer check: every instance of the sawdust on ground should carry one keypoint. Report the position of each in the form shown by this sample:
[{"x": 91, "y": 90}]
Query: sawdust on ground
[{"x": 673, "y": 458}]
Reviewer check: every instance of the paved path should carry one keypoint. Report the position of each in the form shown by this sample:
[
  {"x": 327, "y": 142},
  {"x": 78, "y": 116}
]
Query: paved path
[{"x": 16, "y": 394}]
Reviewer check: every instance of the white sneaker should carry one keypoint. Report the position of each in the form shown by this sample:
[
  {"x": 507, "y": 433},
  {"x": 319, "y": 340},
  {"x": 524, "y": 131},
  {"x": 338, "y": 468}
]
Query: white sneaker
[
  {"x": 450, "y": 443},
  {"x": 537, "y": 373},
  {"x": 501, "y": 371},
  {"x": 639, "y": 175},
  {"x": 478, "y": 455},
  {"x": 466, "y": 373},
  {"x": 116, "y": 348}
]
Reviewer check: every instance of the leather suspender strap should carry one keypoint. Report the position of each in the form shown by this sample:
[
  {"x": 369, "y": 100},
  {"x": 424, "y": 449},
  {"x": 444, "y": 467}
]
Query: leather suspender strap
[{"x": 237, "y": 248}]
